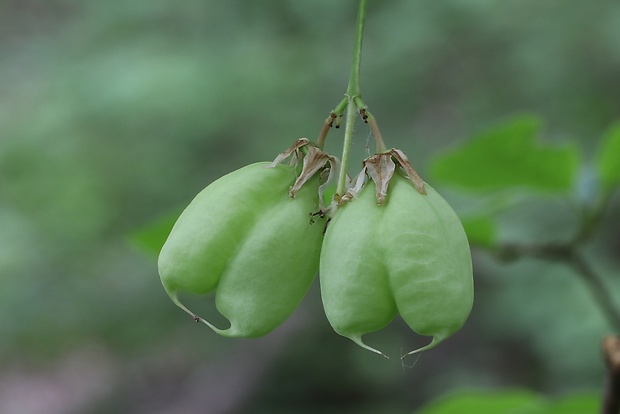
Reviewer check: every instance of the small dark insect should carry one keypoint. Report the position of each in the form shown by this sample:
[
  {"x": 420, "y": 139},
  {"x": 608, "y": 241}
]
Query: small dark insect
[
  {"x": 333, "y": 116},
  {"x": 319, "y": 214},
  {"x": 364, "y": 115}
]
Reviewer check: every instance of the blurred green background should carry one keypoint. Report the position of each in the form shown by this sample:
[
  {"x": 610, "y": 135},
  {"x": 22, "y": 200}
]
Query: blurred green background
[{"x": 114, "y": 114}]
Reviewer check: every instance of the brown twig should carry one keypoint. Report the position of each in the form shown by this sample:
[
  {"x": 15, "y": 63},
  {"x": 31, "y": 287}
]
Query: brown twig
[{"x": 611, "y": 351}]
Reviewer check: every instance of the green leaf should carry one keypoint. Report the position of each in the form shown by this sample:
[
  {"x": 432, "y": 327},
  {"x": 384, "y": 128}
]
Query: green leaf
[
  {"x": 151, "y": 238},
  {"x": 509, "y": 156},
  {"x": 576, "y": 404},
  {"x": 480, "y": 230},
  {"x": 511, "y": 402},
  {"x": 608, "y": 160},
  {"x": 477, "y": 402}
]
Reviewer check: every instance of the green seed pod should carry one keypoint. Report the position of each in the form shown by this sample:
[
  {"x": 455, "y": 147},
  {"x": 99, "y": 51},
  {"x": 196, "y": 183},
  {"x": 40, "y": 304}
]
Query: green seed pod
[
  {"x": 246, "y": 238},
  {"x": 407, "y": 256}
]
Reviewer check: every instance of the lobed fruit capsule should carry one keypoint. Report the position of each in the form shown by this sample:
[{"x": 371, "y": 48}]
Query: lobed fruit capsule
[
  {"x": 246, "y": 239},
  {"x": 408, "y": 256}
]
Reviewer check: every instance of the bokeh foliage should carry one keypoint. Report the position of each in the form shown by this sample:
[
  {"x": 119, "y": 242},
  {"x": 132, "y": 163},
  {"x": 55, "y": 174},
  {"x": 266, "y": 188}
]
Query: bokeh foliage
[{"x": 114, "y": 114}]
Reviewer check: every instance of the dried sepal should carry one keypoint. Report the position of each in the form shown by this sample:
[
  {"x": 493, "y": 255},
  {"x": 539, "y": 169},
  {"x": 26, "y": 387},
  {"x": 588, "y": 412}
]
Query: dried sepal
[
  {"x": 328, "y": 175},
  {"x": 293, "y": 151},
  {"x": 354, "y": 187},
  {"x": 380, "y": 168},
  {"x": 315, "y": 160},
  {"x": 413, "y": 176}
]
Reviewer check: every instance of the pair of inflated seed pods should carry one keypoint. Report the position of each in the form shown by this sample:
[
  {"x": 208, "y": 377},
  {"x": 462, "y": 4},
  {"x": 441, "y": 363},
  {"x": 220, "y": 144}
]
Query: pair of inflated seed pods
[{"x": 246, "y": 238}]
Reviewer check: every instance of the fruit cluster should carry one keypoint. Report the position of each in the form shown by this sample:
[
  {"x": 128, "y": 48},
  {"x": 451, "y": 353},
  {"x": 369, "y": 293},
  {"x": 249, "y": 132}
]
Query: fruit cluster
[{"x": 389, "y": 246}]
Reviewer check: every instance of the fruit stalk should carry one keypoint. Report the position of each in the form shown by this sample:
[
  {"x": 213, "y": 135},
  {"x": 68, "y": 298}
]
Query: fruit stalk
[
  {"x": 353, "y": 93},
  {"x": 353, "y": 89}
]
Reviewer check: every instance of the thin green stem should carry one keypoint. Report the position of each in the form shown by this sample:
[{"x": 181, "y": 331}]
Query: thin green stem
[
  {"x": 348, "y": 135},
  {"x": 353, "y": 89},
  {"x": 341, "y": 107},
  {"x": 353, "y": 93}
]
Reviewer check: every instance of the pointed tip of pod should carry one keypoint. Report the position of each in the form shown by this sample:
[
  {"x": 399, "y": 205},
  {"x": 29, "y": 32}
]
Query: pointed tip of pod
[
  {"x": 228, "y": 332},
  {"x": 436, "y": 341},
  {"x": 174, "y": 296},
  {"x": 358, "y": 340}
]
